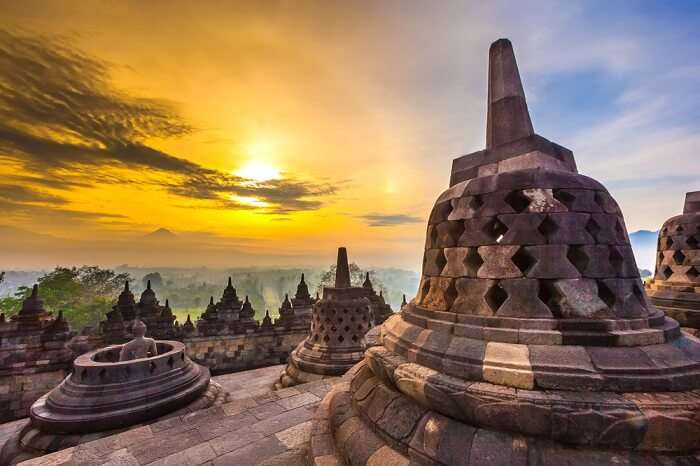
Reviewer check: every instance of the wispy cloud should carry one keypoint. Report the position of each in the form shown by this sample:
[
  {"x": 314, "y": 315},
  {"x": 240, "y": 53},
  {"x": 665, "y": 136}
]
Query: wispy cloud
[
  {"x": 388, "y": 220},
  {"x": 59, "y": 112}
]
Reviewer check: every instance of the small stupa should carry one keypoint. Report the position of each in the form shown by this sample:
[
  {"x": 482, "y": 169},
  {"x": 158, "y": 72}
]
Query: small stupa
[
  {"x": 302, "y": 302},
  {"x": 379, "y": 309},
  {"x": 676, "y": 285},
  {"x": 531, "y": 340},
  {"x": 339, "y": 323}
]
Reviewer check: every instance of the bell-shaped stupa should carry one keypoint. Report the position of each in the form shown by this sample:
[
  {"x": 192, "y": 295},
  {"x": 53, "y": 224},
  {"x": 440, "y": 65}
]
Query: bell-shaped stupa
[
  {"x": 531, "y": 339},
  {"x": 336, "y": 340},
  {"x": 676, "y": 285}
]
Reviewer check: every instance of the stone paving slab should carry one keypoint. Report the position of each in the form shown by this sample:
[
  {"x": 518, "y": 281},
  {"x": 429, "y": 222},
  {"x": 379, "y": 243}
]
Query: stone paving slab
[
  {"x": 266, "y": 428},
  {"x": 8, "y": 429}
]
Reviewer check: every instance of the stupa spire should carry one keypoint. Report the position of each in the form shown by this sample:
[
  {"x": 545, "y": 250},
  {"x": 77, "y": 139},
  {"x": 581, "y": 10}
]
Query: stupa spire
[
  {"x": 507, "y": 116},
  {"x": 692, "y": 203},
  {"x": 342, "y": 271}
]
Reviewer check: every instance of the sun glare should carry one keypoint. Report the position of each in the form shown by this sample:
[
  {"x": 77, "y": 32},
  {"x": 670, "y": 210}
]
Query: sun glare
[
  {"x": 258, "y": 171},
  {"x": 249, "y": 200}
]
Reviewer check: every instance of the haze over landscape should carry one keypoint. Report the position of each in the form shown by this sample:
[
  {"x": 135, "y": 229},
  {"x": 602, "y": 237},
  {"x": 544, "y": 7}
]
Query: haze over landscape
[{"x": 267, "y": 134}]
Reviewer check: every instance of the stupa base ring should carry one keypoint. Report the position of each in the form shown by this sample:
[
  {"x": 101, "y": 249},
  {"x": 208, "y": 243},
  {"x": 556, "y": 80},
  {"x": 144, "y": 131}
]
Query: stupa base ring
[
  {"x": 388, "y": 427},
  {"x": 299, "y": 371}
]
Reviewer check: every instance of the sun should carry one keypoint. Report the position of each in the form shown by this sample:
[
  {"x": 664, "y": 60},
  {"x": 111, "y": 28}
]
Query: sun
[{"x": 258, "y": 171}]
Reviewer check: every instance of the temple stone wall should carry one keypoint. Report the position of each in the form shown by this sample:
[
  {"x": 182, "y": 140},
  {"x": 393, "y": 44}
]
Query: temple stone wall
[
  {"x": 230, "y": 353},
  {"x": 18, "y": 392}
]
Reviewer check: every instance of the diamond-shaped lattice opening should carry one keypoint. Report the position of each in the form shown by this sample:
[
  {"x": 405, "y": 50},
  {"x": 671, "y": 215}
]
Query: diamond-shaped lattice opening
[
  {"x": 495, "y": 297},
  {"x": 334, "y": 329},
  {"x": 616, "y": 259},
  {"x": 475, "y": 202},
  {"x": 564, "y": 197},
  {"x": 433, "y": 236},
  {"x": 517, "y": 200},
  {"x": 341, "y": 338},
  {"x": 620, "y": 231},
  {"x": 678, "y": 257},
  {"x": 450, "y": 293},
  {"x": 549, "y": 296},
  {"x": 692, "y": 242},
  {"x": 440, "y": 212},
  {"x": 679, "y": 229},
  {"x": 354, "y": 338},
  {"x": 692, "y": 273},
  {"x": 495, "y": 229},
  {"x": 326, "y": 338},
  {"x": 340, "y": 320},
  {"x": 601, "y": 198},
  {"x": 639, "y": 294},
  {"x": 425, "y": 289},
  {"x": 578, "y": 257},
  {"x": 456, "y": 231},
  {"x": 347, "y": 328},
  {"x": 593, "y": 228},
  {"x": 523, "y": 260},
  {"x": 606, "y": 294},
  {"x": 473, "y": 261},
  {"x": 322, "y": 328},
  {"x": 548, "y": 227},
  {"x": 315, "y": 337},
  {"x": 440, "y": 260},
  {"x": 669, "y": 242}
]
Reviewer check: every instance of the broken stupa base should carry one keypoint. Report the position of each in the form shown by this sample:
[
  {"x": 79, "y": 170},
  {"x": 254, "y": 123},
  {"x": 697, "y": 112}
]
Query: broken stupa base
[{"x": 103, "y": 396}]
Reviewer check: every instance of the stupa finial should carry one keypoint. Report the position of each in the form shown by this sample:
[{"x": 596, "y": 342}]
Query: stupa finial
[
  {"x": 692, "y": 202},
  {"x": 508, "y": 118},
  {"x": 342, "y": 271}
]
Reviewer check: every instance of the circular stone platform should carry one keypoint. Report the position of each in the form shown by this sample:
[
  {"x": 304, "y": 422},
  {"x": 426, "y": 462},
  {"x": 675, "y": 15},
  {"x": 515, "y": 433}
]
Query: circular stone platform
[{"x": 103, "y": 393}]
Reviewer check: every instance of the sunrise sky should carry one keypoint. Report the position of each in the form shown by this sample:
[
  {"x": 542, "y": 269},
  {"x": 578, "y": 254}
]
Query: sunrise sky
[{"x": 269, "y": 133}]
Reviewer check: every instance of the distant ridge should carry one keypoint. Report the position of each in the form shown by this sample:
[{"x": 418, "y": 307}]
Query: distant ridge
[{"x": 161, "y": 233}]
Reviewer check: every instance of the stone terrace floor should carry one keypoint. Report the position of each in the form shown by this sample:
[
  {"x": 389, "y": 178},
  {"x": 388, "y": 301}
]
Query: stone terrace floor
[{"x": 258, "y": 427}]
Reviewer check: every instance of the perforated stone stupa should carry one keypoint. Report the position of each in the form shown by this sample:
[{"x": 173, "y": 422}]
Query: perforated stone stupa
[
  {"x": 339, "y": 322},
  {"x": 531, "y": 339},
  {"x": 676, "y": 285}
]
